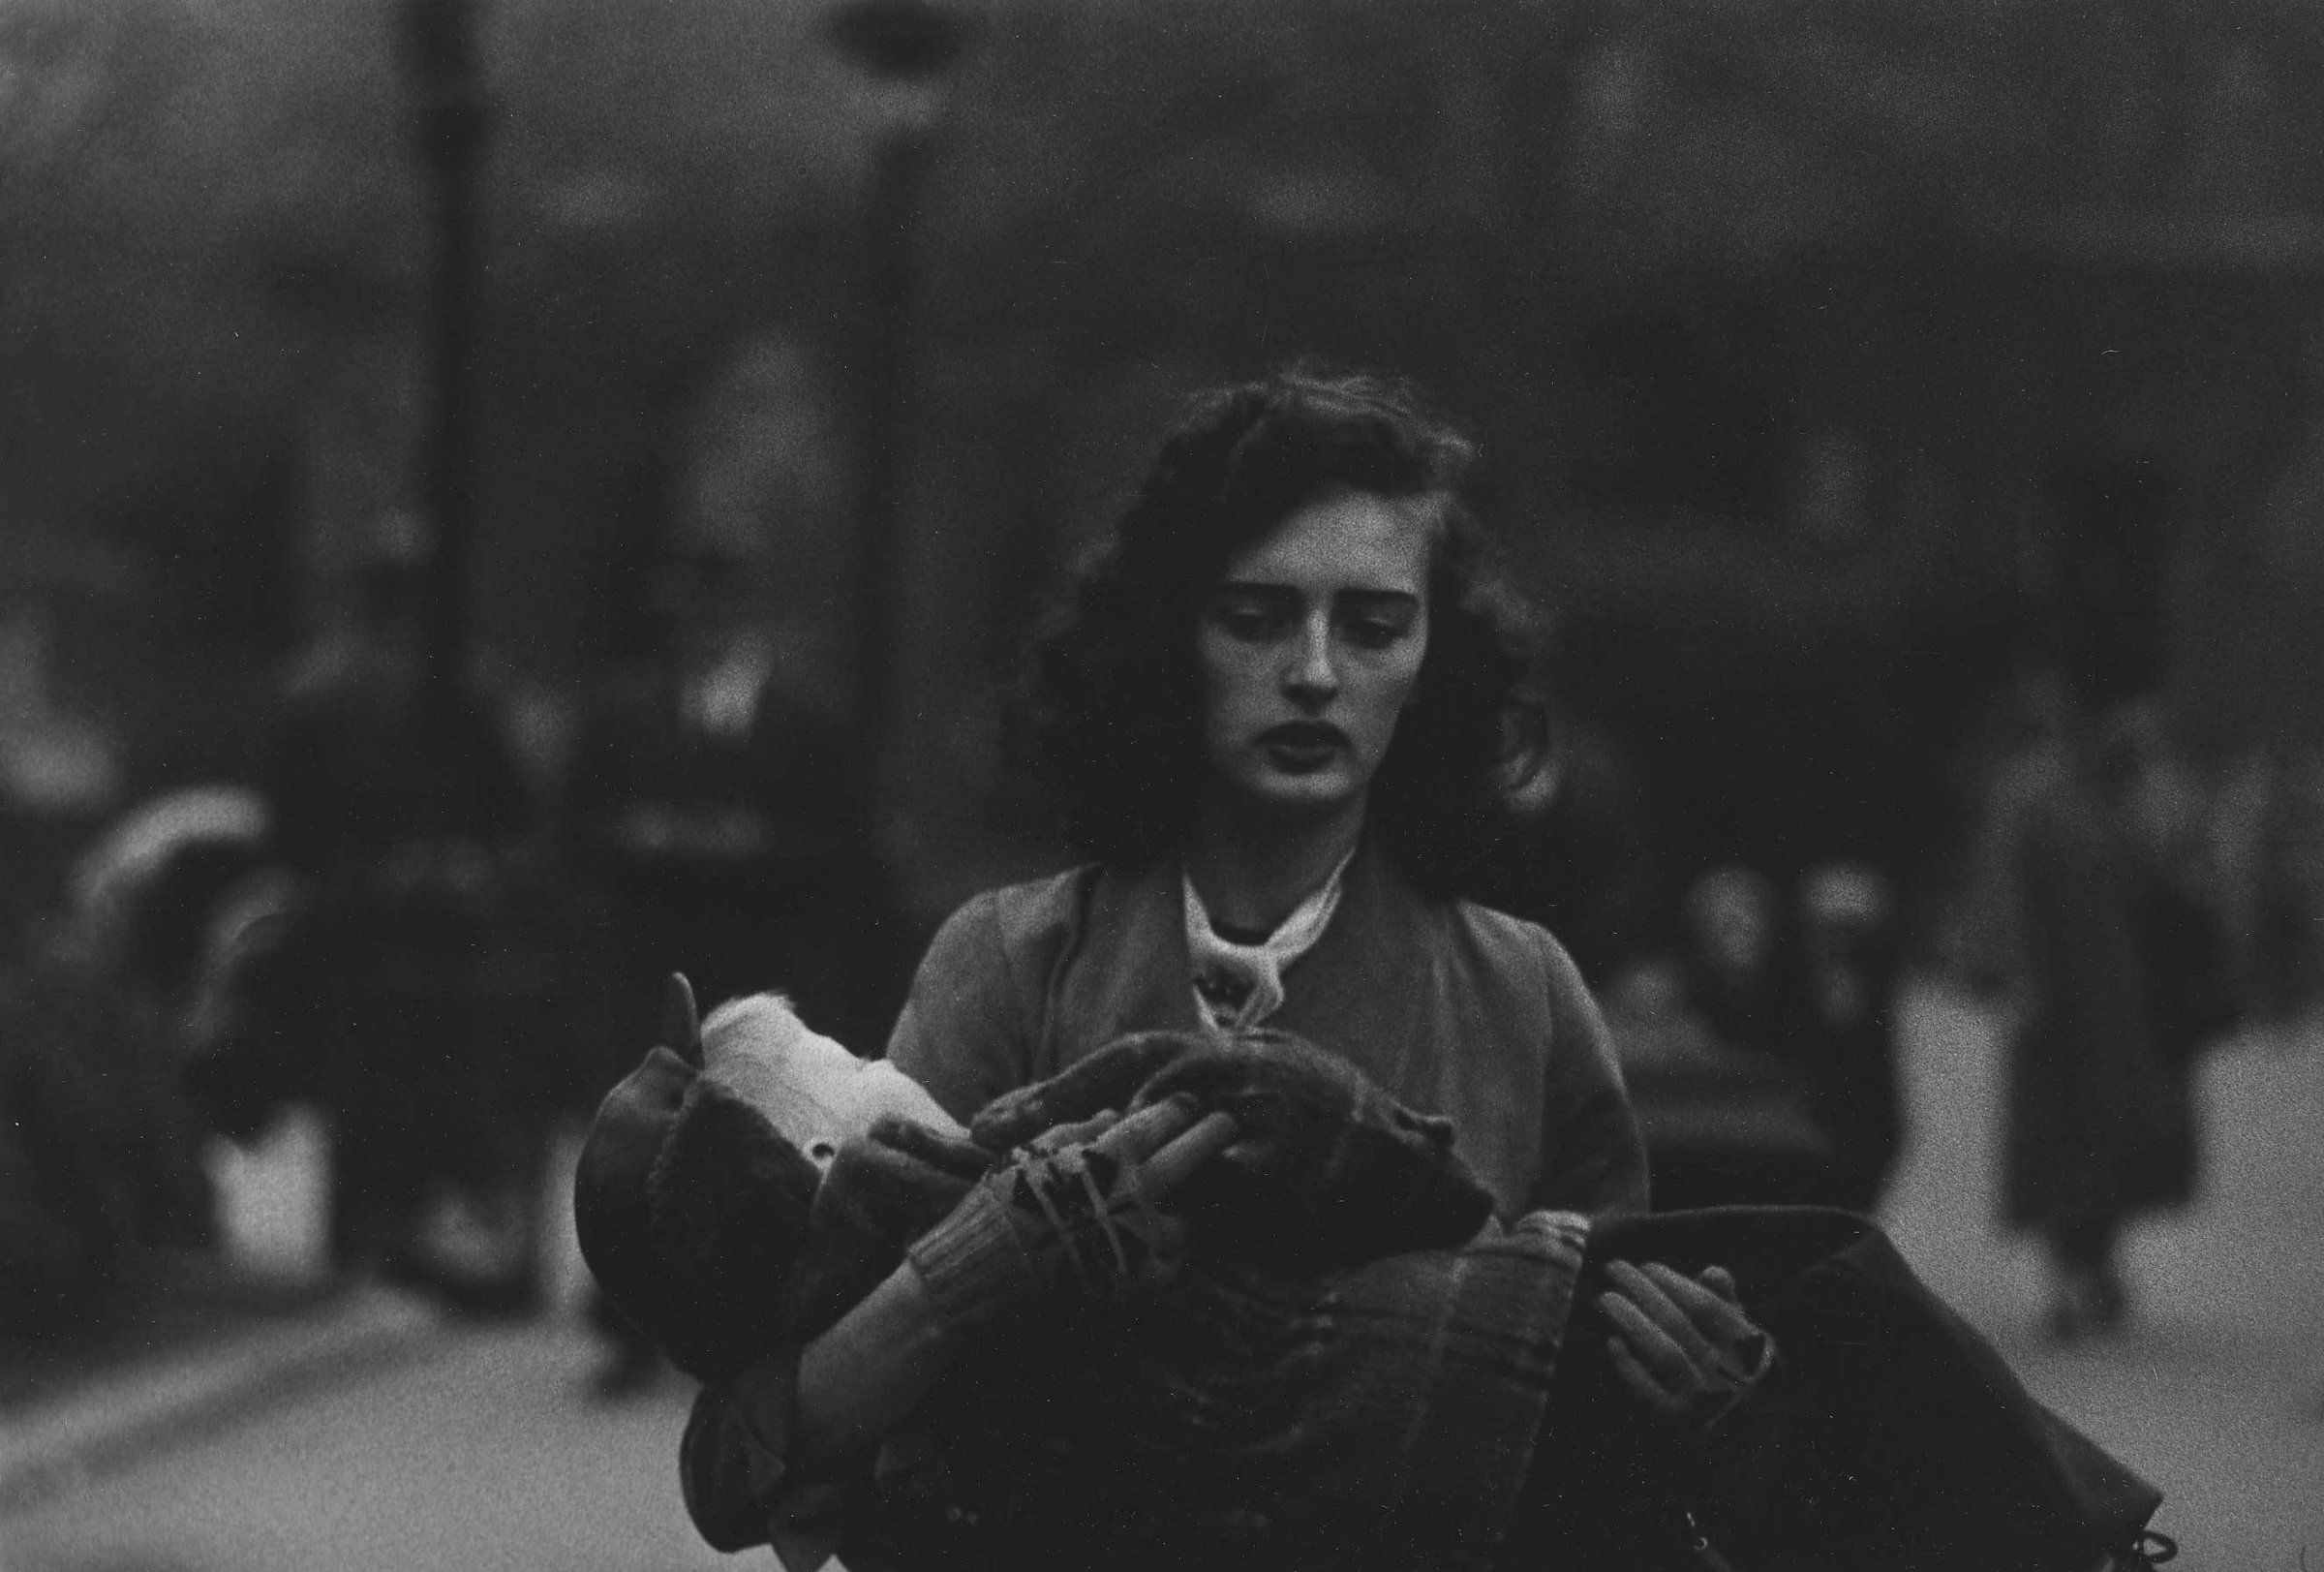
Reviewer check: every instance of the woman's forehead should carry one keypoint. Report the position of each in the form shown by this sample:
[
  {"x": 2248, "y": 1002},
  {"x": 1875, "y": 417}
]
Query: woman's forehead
[{"x": 1347, "y": 540}]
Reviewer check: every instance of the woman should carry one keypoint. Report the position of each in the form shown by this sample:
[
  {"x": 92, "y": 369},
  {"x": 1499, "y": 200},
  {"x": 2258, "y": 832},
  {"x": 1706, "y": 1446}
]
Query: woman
[
  {"x": 2099, "y": 1125},
  {"x": 1277, "y": 717}
]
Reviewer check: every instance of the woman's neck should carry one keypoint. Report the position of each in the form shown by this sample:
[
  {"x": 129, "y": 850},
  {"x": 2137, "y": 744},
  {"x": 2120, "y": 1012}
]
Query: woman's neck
[{"x": 1251, "y": 875}]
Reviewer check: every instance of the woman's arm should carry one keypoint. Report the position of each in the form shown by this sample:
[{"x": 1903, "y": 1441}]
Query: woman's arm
[
  {"x": 967, "y": 1029},
  {"x": 1593, "y": 1159}
]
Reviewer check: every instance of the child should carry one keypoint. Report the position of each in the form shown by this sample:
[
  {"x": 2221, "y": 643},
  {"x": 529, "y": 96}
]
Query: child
[{"x": 1340, "y": 1359}]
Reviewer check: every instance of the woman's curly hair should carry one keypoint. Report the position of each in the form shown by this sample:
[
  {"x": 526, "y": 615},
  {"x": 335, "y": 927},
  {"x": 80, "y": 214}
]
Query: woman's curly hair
[{"x": 1108, "y": 712}]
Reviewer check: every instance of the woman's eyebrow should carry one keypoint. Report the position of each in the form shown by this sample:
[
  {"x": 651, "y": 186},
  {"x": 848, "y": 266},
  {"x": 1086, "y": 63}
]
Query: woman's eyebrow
[{"x": 1257, "y": 589}]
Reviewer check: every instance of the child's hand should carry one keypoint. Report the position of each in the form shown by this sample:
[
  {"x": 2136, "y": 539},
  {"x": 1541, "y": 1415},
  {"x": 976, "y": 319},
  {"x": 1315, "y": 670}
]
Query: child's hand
[{"x": 1685, "y": 1346}]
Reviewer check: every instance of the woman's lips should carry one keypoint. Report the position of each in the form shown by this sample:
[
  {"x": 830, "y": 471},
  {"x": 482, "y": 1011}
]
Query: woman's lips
[{"x": 1303, "y": 746}]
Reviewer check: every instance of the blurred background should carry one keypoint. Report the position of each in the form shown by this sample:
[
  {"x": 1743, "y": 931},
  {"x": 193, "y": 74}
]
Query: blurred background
[{"x": 486, "y": 483}]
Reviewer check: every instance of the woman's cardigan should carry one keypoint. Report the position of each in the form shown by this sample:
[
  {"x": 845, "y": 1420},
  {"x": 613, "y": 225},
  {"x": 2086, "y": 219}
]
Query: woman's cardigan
[{"x": 1449, "y": 1007}]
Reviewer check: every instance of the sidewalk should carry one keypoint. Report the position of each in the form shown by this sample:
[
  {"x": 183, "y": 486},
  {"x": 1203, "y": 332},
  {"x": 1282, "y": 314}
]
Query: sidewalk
[
  {"x": 2213, "y": 1389},
  {"x": 199, "y": 1343},
  {"x": 490, "y": 1452}
]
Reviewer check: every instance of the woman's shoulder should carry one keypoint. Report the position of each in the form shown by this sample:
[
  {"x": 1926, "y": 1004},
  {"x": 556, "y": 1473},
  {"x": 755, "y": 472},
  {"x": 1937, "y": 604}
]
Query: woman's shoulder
[
  {"x": 1498, "y": 933},
  {"x": 1500, "y": 954},
  {"x": 1032, "y": 917},
  {"x": 1488, "y": 937},
  {"x": 973, "y": 1023},
  {"x": 1009, "y": 975},
  {"x": 1031, "y": 901}
]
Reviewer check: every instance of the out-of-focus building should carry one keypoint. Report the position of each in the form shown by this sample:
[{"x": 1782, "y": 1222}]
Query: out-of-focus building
[
  {"x": 1812, "y": 348},
  {"x": 1821, "y": 354}
]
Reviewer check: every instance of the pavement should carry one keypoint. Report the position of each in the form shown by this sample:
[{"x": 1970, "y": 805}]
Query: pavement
[
  {"x": 113, "y": 1420},
  {"x": 2215, "y": 1392},
  {"x": 375, "y": 1434},
  {"x": 481, "y": 1452}
]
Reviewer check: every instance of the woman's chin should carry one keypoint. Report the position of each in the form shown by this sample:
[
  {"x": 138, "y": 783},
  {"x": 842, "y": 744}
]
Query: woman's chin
[
  {"x": 1285, "y": 799},
  {"x": 1305, "y": 798}
]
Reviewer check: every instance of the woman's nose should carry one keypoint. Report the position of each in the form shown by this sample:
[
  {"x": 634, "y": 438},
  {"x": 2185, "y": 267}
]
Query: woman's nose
[{"x": 1313, "y": 676}]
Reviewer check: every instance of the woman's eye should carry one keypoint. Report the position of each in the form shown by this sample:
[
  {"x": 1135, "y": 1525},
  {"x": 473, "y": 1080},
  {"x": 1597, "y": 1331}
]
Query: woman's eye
[
  {"x": 1374, "y": 632},
  {"x": 1251, "y": 623}
]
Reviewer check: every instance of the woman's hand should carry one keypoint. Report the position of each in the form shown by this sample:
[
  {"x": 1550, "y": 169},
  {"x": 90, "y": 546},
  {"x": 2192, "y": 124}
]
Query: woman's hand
[
  {"x": 1073, "y": 1211},
  {"x": 1682, "y": 1345}
]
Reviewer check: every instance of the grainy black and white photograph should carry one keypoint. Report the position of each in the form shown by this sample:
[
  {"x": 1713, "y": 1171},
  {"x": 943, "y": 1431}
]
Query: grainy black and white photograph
[{"x": 1136, "y": 786}]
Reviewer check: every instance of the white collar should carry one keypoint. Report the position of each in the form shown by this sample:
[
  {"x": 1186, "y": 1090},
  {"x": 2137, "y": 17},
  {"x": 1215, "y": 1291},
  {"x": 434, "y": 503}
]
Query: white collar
[{"x": 1237, "y": 986}]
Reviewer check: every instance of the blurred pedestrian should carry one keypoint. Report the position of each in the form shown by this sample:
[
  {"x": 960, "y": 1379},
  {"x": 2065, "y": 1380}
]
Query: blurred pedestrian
[
  {"x": 2099, "y": 1121},
  {"x": 100, "y": 1151},
  {"x": 1849, "y": 955},
  {"x": 60, "y": 773},
  {"x": 1725, "y": 1089},
  {"x": 1740, "y": 959},
  {"x": 2196, "y": 990},
  {"x": 1579, "y": 856},
  {"x": 718, "y": 800},
  {"x": 185, "y": 892},
  {"x": 1768, "y": 1077},
  {"x": 148, "y": 890},
  {"x": 395, "y": 802},
  {"x": 2269, "y": 849},
  {"x": 719, "y": 794}
]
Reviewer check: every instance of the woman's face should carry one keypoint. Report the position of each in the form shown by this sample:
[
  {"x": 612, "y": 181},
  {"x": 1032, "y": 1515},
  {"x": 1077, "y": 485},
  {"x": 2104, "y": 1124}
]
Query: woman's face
[{"x": 1308, "y": 648}]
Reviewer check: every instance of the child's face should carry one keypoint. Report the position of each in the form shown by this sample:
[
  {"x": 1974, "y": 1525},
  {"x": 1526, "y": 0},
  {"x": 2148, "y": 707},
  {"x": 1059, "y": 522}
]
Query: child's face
[{"x": 816, "y": 1095}]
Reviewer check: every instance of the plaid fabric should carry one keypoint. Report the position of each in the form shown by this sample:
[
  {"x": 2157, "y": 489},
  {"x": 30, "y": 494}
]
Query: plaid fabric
[
  {"x": 1384, "y": 1415},
  {"x": 1259, "y": 1409},
  {"x": 1330, "y": 1172}
]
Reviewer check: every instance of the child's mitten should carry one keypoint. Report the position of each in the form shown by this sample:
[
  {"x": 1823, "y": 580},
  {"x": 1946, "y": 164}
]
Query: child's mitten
[
  {"x": 1108, "y": 1078},
  {"x": 1073, "y": 1221},
  {"x": 1330, "y": 1171}
]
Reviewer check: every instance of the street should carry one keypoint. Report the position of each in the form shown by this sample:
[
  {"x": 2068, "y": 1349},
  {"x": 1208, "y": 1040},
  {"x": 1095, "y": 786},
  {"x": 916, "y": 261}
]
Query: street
[
  {"x": 2217, "y": 1393},
  {"x": 480, "y": 1453},
  {"x": 480, "y": 1450}
]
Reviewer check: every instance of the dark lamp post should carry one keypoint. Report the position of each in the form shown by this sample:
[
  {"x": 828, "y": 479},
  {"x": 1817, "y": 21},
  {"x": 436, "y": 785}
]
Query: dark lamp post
[
  {"x": 454, "y": 122},
  {"x": 910, "y": 43}
]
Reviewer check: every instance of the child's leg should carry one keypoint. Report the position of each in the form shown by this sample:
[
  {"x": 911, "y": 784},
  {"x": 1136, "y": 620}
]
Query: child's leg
[
  {"x": 1891, "y": 1437},
  {"x": 1606, "y": 1488},
  {"x": 2087, "y": 1294}
]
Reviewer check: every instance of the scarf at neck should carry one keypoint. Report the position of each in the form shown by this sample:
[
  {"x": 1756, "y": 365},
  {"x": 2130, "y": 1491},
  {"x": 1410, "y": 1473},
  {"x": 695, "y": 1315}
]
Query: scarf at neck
[{"x": 1237, "y": 986}]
